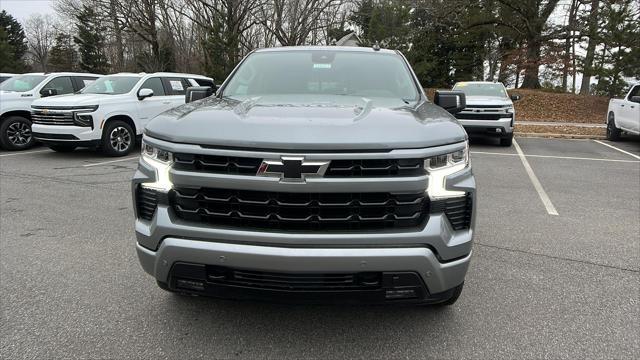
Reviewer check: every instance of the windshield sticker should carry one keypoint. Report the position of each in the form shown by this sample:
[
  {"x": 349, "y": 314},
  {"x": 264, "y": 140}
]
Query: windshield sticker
[
  {"x": 176, "y": 85},
  {"x": 322, "y": 66}
]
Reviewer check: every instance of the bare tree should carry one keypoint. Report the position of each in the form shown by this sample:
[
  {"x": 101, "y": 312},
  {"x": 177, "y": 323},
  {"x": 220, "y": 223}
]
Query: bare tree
[{"x": 40, "y": 34}]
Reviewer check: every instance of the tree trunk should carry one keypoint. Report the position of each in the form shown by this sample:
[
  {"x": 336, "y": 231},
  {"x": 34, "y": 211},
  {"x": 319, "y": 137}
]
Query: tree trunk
[
  {"x": 566, "y": 58},
  {"x": 119, "y": 65},
  {"x": 532, "y": 65},
  {"x": 587, "y": 72}
]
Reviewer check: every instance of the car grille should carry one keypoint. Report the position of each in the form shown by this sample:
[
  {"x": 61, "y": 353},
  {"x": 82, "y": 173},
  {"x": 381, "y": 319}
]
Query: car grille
[
  {"x": 337, "y": 168},
  {"x": 458, "y": 210},
  {"x": 482, "y": 116},
  {"x": 293, "y": 282},
  {"x": 60, "y": 118},
  {"x": 300, "y": 211},
  {"x": 147, "y": 202}
]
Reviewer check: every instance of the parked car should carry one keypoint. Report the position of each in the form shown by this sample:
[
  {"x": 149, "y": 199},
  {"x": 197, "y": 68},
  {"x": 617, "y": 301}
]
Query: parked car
[
  {"x": 110, "y": 113},
  {"x": 489, "y": 110},
  {"x": 624, "y": 114},
  {"x": 314, "y": 174},
  {"x": 17, "y": 94},
  {"x": 6, "y": 76}
]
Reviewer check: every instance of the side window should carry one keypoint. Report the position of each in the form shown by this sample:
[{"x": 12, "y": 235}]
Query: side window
[
  {"x": 204, "y": 82},
  {"x": 634, "y": 92},
  {"x": 62, "y": 85},
  {"x": 174, "y": 86},
  {"x": 82, "y": 81},
  {"x": 154, "y": 84}
]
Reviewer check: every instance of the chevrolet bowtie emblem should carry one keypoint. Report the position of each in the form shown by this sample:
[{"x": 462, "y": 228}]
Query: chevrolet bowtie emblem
[{"x": 292, "y": 169}]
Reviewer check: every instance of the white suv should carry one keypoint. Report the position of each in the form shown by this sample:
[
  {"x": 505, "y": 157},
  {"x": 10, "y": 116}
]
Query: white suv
[
  {"x": 110, "y": 113},
  {"x": 18, "y": 92}
]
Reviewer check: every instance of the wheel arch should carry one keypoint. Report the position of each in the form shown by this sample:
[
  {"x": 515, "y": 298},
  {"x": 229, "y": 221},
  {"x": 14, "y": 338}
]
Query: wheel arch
[
  {"x": 22, "y": 113},
  {"x": 124, "y": 118}
]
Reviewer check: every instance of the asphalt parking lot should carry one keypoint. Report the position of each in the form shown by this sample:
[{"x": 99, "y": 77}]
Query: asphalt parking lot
[{"x": 540, "y": 285}]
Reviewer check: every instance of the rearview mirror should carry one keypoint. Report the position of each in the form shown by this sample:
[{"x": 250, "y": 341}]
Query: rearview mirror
[
  {"x": 48, "y": 92},
  {"x": 197, "y": 92},
  {"x": 452, "y": 101},
  {"x": 144, "y": 93},
  {"x": 515, "y": 97},
  {"x": 635, "y": 99}
]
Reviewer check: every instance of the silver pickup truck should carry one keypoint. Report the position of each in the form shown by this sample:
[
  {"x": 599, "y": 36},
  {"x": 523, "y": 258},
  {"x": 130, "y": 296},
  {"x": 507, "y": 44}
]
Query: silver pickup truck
[
  {"x": 623, "y": 114},
  {"x": 317, "y": 174}
]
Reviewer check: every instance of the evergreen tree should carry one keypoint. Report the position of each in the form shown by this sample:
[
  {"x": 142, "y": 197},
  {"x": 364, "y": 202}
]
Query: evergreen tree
[
  {"x": 63, "y": 55},
  {"x": 91, "y": 41},
  {"x": 12, "y": 44}
]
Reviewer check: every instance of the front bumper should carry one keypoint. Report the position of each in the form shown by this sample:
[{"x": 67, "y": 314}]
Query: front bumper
[
  {"x": 437, "y": 276},
  {"x": 66, "y": 134},
  {"x": 501, "y": 127}
]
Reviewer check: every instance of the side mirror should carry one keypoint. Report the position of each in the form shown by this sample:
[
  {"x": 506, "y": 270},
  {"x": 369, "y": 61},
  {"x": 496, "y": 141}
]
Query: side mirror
[
  {"x": 48, "y": 92},
  {"x": 635, "y": 99},
  {"x": 515, "y": 97},
  {"x": 144, "y": 93},
  {"x": 197, "y": 92},
  {"x": 452, "y": 101}
]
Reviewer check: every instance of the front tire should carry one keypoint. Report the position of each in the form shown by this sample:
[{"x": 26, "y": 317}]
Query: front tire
[
  {"x": 613, "y": 133},
  {"x": 118, "y": 139},
  {"x": 62, "y": 148},
  {"x": 15, "y": 133},
  {"x": 507, "y": 141}
]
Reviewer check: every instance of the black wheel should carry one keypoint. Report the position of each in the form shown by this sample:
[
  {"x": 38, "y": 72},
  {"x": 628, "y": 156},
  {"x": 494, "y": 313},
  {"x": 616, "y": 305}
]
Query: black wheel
[
  {"x": 15, "y": 133},
  {"x": 118, "y": 138},
  {"x": 507, "y": 141},
  {"x": 613, "y": 133},
  {"x": 62, "y": 148},
  {"x": 454, "y": 296}
]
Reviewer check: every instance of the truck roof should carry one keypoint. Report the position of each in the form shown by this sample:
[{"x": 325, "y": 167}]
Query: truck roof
[
  {"x": 162, "y": 74},
  {"x": 62, "y": 73},
  {"x": 327, "y": 48}
]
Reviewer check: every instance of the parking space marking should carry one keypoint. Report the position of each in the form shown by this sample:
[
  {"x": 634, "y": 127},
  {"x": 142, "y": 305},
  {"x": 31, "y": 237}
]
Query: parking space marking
[
  {"x": 24, "y": 153},
  {"x": 111, "y": 161},
  {"x": 613, "y": 147},
  {"x": 554, "y": 157},
  {"x": 551, "y": 210}
]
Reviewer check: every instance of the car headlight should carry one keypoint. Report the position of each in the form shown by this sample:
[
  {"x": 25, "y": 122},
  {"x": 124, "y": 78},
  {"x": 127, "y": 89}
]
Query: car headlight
[
  {"x": 440, "y": 166},
  {"x": 161, "y": 161},
  {"x": 509, "y": 110}
]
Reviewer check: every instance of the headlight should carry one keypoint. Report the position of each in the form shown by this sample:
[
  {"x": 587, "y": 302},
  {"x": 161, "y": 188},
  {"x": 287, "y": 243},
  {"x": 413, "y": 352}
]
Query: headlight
[
  {"x": 80, "y": 116},
  {"x": 161, "y": 161},
  {"x": 509, "y": 110},
  {"x": 441, "y": 166}
]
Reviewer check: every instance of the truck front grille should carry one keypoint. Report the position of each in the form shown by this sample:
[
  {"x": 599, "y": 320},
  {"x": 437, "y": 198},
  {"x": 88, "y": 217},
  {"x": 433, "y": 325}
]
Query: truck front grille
[
  {"x": 482, "y": 116},
  {"x": 59, "y": 118},
  {"x": 300, "y": 211},
  {"x": 337, "y": 168},
  {"x": 293, "y": 282}
]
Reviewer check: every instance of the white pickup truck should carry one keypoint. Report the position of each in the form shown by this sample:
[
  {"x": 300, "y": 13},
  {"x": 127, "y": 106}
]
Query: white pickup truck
[{"x": 624, "y": 114}]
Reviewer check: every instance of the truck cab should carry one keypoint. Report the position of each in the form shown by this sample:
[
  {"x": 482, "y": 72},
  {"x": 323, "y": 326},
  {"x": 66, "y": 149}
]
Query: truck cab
[
  {"x": 18, "y": 92},
  {"x": 111, "y": 113},
  {"x": 623, "y": 114}
]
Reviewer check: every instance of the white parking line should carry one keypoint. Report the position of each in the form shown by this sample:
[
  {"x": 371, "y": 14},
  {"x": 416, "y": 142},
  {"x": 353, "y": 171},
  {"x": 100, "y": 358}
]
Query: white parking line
[
  {"x": 613, "y": 147},
  {"x": 24, "y": 153},
  {"x": 111, "y": 161},
  {"x": 551, "y": 210},
  {"x": 554, "y": 157}
]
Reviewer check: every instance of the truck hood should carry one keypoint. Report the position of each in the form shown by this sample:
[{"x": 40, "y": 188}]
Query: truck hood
[
  {"x": 295, "y": 123},
  {"x": 488, "y": 100},
  {"x": 70, "y": 100}
]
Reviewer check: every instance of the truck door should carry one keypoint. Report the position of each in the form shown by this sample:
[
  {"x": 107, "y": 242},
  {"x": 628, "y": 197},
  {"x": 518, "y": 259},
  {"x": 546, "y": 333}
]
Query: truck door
[
  {"x": 150, "y": 107},
  {"x": 630, "y": 111}
]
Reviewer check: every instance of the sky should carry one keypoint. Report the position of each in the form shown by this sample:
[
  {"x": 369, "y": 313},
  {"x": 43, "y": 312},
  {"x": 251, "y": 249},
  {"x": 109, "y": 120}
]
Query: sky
[{"x": 22, "y": 9}]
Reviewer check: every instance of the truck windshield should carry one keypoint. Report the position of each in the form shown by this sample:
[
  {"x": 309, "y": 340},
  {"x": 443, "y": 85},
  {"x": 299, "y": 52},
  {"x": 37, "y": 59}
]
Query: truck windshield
[
  {"x": 112, "y": 85},
  {"x": 490, "y": 90},
  {"x": 323, "y": 72},
  {"x": 22, "y": 83}
]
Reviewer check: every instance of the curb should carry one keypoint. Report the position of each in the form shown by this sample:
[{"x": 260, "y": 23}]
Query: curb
[
  {"x": 559, "y": 136},
  {"x": 557, "y": 123}
]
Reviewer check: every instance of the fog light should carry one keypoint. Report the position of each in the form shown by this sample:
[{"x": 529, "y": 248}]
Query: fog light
[
  {"x": 400, "y": 294},
  {"x": 498, "y": 130}
]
